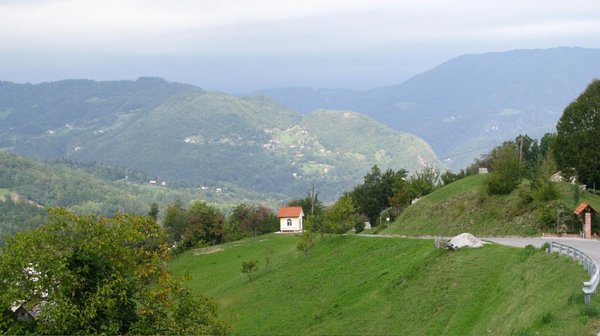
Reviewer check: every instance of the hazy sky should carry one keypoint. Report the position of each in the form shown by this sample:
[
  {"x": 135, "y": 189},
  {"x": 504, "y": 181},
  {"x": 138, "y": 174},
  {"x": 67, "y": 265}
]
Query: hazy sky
[{"x": 242, "y": 45}]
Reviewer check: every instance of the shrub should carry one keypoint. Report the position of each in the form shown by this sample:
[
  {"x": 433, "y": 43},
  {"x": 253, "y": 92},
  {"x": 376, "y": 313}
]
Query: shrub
[
  {"x": 359, "y": 226},
  {"x": 506, "y": 172},
  {"x": 528, "y": 251},
  {"x": 591, "y": 310},
  {"x": 554, "y": 214},
  {"x": 547, "y": 318},
  {"x": 249, "y": 267},
  {"x": 495, "y": 184},
  {"x": 525, "y": 193},
  {"x": 545, "y": 191}
]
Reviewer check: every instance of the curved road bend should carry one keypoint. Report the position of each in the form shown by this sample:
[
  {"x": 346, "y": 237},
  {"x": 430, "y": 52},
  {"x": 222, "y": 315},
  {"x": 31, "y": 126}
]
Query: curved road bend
[{"x": 589, "y": 247}]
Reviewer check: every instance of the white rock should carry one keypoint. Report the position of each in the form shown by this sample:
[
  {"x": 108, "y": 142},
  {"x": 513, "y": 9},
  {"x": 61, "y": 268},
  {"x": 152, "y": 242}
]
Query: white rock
[{"x": 465, "y": 239}]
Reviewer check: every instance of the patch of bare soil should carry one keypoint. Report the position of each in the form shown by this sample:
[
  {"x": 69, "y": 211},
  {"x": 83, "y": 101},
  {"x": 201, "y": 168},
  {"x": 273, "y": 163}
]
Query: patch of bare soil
[{"x": 208, "y": 250}]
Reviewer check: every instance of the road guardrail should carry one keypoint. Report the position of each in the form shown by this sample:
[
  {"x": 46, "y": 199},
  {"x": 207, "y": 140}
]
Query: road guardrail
[{"x": 589, "y": 287}]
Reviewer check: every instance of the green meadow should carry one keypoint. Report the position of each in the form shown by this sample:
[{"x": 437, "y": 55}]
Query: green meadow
[{"x": 390, "y": 286}]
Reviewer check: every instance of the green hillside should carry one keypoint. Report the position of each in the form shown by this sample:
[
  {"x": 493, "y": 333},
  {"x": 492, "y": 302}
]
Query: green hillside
[
  {"x": 38, "y": 108},
  {"x": 470, "y": 103},
  {"x": 182, "y": 133},
  {"x": 203, "y": 138},
  {"x": 459, "y": 207},
  {"x": 366, "y": 142},
  {"x": 256, "y": 144},
  {"x": 53, "y": 184},
  {"x": 390, "y": 286},
  {"x": 17, "y": 216}
]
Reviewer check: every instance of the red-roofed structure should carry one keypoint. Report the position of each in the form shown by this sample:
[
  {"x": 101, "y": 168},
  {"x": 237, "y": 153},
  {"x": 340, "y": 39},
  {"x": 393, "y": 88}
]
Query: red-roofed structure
[
  {"x": 292, "y": 211},
  {"x": 586, "y": 210},
  {"x": 290, "y": 219},
  {"x": 583, "y": 207}
]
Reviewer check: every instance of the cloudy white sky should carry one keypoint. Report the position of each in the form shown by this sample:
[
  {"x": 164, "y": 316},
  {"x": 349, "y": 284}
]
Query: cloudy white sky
[{"x": 243, "y": 45}]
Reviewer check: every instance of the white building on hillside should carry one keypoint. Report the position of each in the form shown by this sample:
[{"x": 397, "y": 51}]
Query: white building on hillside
[{"x": 290, "y": 219}]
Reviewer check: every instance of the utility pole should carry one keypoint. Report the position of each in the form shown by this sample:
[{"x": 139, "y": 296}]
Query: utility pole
[
  {"x": 312, "y": 199},
  {"x": 558, "y": 211},
  {"x": 521, "y": 151}
]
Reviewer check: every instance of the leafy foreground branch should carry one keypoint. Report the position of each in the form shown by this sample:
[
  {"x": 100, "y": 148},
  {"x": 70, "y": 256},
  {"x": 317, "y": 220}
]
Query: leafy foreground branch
[{"x": 90, "y": 275}]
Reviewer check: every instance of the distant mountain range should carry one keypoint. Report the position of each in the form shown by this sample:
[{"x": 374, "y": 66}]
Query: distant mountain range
[
  {"x": 470, "y": 103},
  {"x": 183, "y": 133}
]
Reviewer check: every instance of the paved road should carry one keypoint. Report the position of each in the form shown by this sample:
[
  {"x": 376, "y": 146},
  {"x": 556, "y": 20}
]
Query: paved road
[{"x": 589, "y": 247}]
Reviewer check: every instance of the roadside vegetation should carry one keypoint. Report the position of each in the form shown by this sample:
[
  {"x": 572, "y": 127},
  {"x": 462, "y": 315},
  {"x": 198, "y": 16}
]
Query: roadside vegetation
[{"x": 462, "y": 207}]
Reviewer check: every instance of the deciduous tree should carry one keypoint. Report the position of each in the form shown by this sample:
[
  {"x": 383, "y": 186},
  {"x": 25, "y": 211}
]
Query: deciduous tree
[
  {"x": 95, "y": 275},
  {"x": 153, "y": 213},
  {"x": 306, "y": 242},
  {"x": 339, "y": 218},
  {"x": 376, "y": 191},
  {"x": 506, "y": 171},
  {"x": 175, "y": 221},
  {"x": 577, "y": 136}
]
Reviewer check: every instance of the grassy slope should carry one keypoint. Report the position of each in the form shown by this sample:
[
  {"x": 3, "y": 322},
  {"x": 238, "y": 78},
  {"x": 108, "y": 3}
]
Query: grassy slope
[
  {"x": 458, "y": 208},
  {"x": 357, "y": 285}
]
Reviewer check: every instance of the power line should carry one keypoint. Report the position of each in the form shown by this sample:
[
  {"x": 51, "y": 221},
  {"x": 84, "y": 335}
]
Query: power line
[{"x": 466, "y": 152}]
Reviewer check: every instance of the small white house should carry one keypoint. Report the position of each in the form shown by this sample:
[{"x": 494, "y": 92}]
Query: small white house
[{"x": 290, "y": 219}]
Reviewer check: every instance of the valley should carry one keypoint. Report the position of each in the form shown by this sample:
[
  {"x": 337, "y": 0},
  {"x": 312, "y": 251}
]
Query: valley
[{"x": 165, "y": 171}]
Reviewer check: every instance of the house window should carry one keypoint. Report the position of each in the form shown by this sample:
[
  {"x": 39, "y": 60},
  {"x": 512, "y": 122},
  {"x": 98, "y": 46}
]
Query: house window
[{"x": 289, "y": 222}]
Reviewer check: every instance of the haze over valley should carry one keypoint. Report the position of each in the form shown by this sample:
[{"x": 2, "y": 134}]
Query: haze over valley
[{"x": 267, "y": 167}]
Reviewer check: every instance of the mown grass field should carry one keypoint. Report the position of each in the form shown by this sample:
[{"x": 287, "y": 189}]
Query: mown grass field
[
  {"x": 391, "y": 286},
  {"x": 460, "y": 207}
]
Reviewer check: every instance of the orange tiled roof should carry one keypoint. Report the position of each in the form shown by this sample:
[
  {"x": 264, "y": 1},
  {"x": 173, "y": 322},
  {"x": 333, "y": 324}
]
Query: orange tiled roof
[
  {"x": 293, "y": 211},
  {"x": 582, "y": 208}
]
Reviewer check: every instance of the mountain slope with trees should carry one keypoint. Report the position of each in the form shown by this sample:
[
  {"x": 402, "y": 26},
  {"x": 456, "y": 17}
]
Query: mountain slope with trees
[
  {"x": 470, "y": 103},
  {"x": 28, "y": 187},
  {"x": 181, "y": 133}
]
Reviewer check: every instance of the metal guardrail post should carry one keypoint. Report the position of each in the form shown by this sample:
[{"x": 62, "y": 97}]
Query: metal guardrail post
[{"x": 589, "y": 287}]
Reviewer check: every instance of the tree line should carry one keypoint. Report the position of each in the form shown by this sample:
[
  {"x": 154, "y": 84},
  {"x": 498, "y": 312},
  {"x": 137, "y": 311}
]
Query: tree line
[{"x": 202, "y": 224}]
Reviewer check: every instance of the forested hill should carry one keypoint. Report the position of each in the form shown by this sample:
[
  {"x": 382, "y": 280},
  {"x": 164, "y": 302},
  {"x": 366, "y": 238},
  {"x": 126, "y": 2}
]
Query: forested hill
[
  {"x": 182, "y": 133},
  {"x": 470, "y": 103},
  {"x": 33, "y": 109},
  {"x": 102, "y": 189}
]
